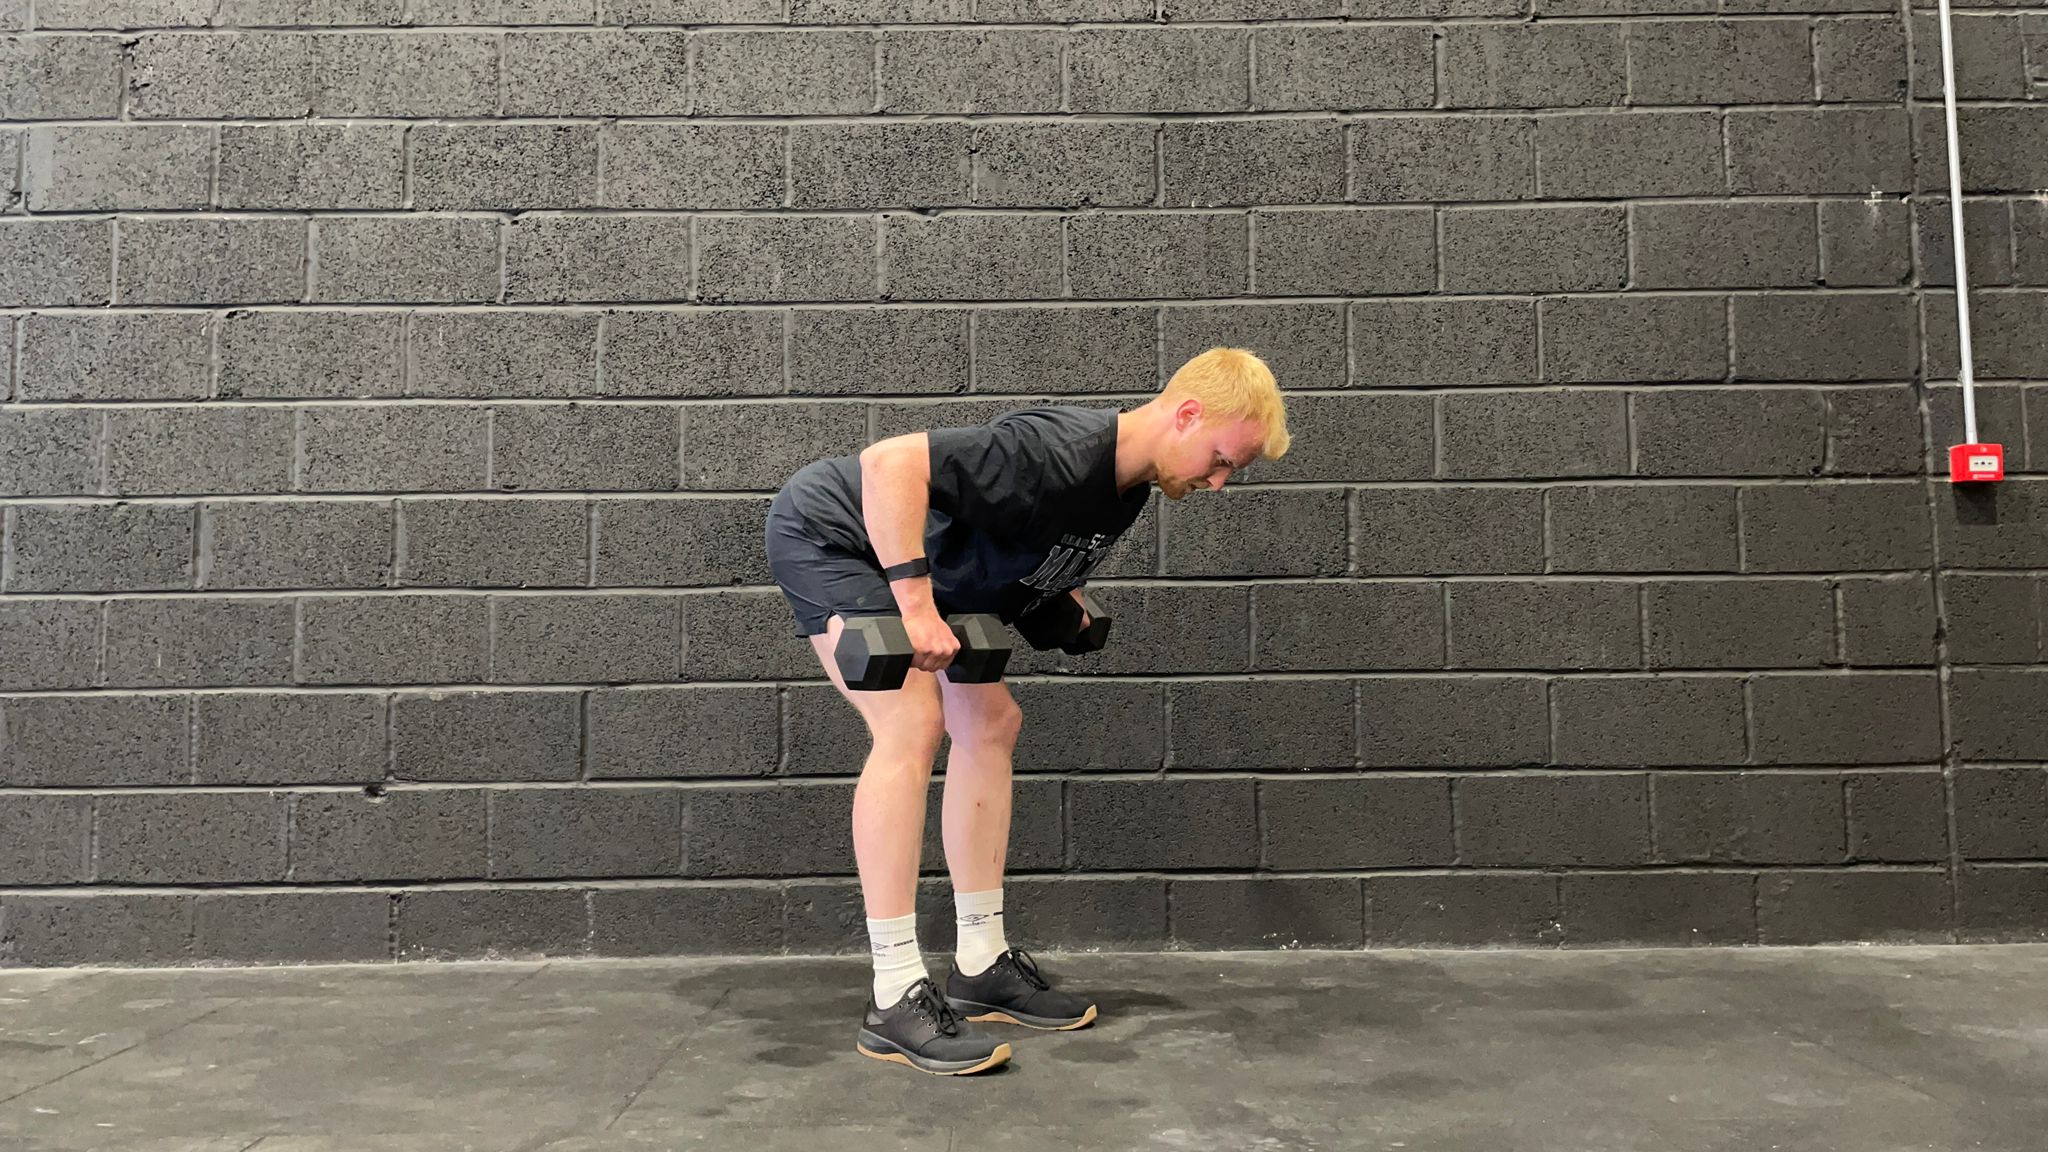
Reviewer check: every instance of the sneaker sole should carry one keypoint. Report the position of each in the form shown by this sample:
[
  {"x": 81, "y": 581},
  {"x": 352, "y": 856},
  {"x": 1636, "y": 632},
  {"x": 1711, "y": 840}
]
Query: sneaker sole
[
  {"x": 937, "y": 1068},
  {"x": 981, "y": 1013}
]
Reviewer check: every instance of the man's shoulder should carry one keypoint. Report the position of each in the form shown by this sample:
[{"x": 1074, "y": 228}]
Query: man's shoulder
[{"x": 1058, "y": 423}]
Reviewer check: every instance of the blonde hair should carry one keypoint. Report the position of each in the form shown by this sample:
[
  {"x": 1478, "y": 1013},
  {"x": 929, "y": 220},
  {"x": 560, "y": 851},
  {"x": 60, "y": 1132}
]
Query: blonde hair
[{"x": 1234, "y": 384}]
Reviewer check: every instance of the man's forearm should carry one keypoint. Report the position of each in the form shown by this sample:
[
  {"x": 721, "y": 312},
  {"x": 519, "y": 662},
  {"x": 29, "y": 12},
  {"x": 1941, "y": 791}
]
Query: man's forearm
[{"x": 895, "y": 486}]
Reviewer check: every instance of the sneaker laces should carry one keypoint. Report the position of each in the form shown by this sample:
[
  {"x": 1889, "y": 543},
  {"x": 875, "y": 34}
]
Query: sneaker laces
[
  {"x": 927, "y": 1002},
  {"x": 1025, "y": 966}
]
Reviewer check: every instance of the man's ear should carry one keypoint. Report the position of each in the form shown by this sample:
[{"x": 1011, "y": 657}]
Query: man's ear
[{"x": 1185, "y": 415}]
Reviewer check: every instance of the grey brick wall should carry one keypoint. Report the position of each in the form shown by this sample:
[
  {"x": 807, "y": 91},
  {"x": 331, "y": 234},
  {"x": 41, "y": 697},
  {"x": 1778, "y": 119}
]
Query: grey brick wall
[{"x": 390, "y": 392}]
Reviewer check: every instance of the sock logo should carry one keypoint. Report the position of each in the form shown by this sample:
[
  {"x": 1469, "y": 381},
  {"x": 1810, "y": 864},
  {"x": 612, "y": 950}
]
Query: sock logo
[{"x": 977, "y": 919}]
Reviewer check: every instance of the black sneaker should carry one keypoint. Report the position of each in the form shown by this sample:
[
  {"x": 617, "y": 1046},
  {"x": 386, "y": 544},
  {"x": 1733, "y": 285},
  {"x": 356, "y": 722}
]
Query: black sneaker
[
  {"x": 922, "y": 1031},
  {"x": 1012, "y": 991}
]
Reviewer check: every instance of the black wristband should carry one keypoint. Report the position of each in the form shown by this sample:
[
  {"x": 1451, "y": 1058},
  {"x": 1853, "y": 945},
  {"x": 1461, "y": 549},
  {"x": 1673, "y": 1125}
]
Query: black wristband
[{"x": 917, "y": 566}]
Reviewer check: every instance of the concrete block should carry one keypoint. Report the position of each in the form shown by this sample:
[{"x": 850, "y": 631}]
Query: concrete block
[
  {"x": 1126, "y": 722},
  {"x": 1887, "y": 620},
  {"x": 552, "y": 259},
  {"x": 1302, "y": 343},
  {"x": 492, "y": 923},
  {"x": 198, "y": 642},
  {"x": 239, "y": 261},
  {"x": 693, "y": 166},
  {"x": 193, "y": 838},
  {"x": 50, "y": 451},
  {"x": 708, "y": 352},
  {"x": 1874, "y": 431},
  {"x": 922, "y": 415},
  {"x": 1739, "y": 624},
  {"x": 46, "y": 839},
  {"x": 1835, "y": 527},
  {"x": 1749, "y": 817},
  {"x": 148, "y": 451},
  {"x": 1365, "y": 252},
  {"x": 574, "y": 448},
  {"x": 745, "y": 636},
  {"x": 296, "y": 544},
  {"x": 1154, "y": 70},
  {"x": 1990, "y": 56},
  {"x": 1357, "y": 438},
  {"x": 316, "y": 166},
  {"x": 1864, "y": 243},
  {"x": 678, "y": 920},
  {"x": 1808, "y": 336},
  {"x": 2002, "y": 904},
  {"x": 55, "y": 643},
  {"x": 60, "y": 77},
  {"x": 1121, "y": 255},
  {"x": 489, "y": 355},
  {"x": 1087, "y": 912},
  {"x": 1720, "y": 62},
  {"x": 1064, "y": 164},
  {"x": 105, "y": 166},
  {"x": 504, "y": 166},
  {"x": 1066, "y": 349},
  {"x": 310, "y": 355},
  {"x": 390, "y": 448},
  {"x": 1342, "y": 68},
  {"x": 10, "y": 168},
  {"x": 1397, "y": 158},
  {"x": 550, "y": 833},
  {"x": 1987, "y": 241},
  {"x": 791, "y": 435},
  {"x": 692, "y": 731},
  {"x": 1732, "y": 245},
  {"x": 679, "y": 543},
  {"x": 891, "y": 11},
  {"x": 493, "y": 543},
  {"x": 1857, "y": 718},
  {"x": 1453, "y": 721},
  {"x": 1510, "y": 435},
  {"x": 609, "y": 72},
  {"x": 570, "y": 638},
  {"x": 1170, "y": 629},
  {"x": 101, "y": 547},
  {"x": 2007, "y": 338},
  {"x": 407, "y": 74},
  {"x": 1257, "y": 726},
  {"x": 1435, "y": 531},
  {"x": 1896, "y": 817},
  {"x": 55, "y": 263},
  {"x": 278, "y": 739},
  {"x": 1657, "y": 908},
  {"x": 1810, "y": 152},
  {"x": 404, "y": 639},
  {"x": 1551, "y": 819},
  {"x": 1998, "y": 813},
  {"x": 1006, "y": 257},
  {"x": 1347, "y": 626},
  {"x": 1861, "y": 59},
  {"x": 2030, "y": 231},
  {"x": 289, "y": 13},
  {"x": 1258, "y": 533},
  {"x": 401, "y": 834},
  {"x": 1610, "y": 154},
  {"x": 793, "y": 73},
  {"x": 1523, "y": 249},
  {"x": 90, "y": 14},
  {"x": 1992, "y": 619},
  {"x": 1443, "y": 343},
  {"x": 783, "y": 829},
  {"x": 1730, "y": 432},
  {"x": 1461, "y": 908},
  {"x": 833, "y": 352},
  {"x": 823, "y": 735},
  {"x": 223, "y": 75},
  {"x": 129, "y": 740},
  {"x": 1214, "y": 163},
  {"x": 1000, "y": 70},
  {"x": 1264, "y": 913},
  {"x": 1591, "y": 339},
  {"x": 1878, "y": 907},
  {"x": 2021, "y": 167},
  {"x": 322, "y": 927},
  {"x": 1554, "y": 624},
  {"x": 486, "y": 736},
  {"x": 1401, "y": 821},
  {"x": 1996, "y": 713},
  {"x": 1624, "y": 721},
  {"x": 404, "y": 259},
  {"x": 759, "y": 258},
  {"x": 1125, "y": 825},
  {"x": 61, "y": 929},
  {"x": 1061, "y": 11},
  {"x": 1175, "y": 10},
  {"x": 1533, "y": 65},
  {"x": 692, "y": 11}
]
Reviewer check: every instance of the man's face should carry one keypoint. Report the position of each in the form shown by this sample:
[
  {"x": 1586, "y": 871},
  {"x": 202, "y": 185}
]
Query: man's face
[{"x": 1204, "y": 453}]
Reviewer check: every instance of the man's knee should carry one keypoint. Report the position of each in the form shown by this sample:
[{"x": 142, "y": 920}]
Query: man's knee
[
  {"x": 908, "y": 728},
  {"x": 994, "y": 719}
]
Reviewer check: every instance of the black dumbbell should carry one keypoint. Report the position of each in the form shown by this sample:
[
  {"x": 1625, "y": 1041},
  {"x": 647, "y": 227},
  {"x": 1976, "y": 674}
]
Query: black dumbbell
[
  {"x": 874, "y": 652},
  {"x": 1057, "y": 624}
]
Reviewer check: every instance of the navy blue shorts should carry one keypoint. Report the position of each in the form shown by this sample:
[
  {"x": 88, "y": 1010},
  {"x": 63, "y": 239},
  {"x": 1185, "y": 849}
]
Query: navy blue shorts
[{"x": 821, "y": 580}]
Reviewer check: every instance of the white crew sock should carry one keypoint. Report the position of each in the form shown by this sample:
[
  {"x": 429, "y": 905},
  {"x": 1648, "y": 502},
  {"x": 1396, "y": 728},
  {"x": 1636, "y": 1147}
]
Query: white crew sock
[
  {"x": 979, "y": 918},
  {"x": 898, "y": 964}
]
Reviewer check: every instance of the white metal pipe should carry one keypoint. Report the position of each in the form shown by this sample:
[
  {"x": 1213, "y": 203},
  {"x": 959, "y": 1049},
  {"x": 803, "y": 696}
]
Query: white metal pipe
[{"x": 1955, "y": 216}]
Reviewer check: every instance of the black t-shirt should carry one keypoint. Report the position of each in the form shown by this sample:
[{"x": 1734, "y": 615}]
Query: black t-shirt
[{"x": 1022, "y": 508}]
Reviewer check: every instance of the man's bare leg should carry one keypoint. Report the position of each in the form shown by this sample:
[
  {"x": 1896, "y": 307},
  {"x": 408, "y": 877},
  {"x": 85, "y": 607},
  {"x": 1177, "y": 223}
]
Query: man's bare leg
[{"x": 983, "y": 721}]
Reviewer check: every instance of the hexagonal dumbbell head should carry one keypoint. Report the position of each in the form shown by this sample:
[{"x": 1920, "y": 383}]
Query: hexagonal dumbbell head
[
  {"x": 984, "y": 649},
  {"x": 873, "y": 653}
]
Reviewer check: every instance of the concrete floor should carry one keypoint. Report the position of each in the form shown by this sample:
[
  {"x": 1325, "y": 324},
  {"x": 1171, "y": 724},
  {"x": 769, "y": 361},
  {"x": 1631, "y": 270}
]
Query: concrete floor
[{"x": 1851, "y": 1049}]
